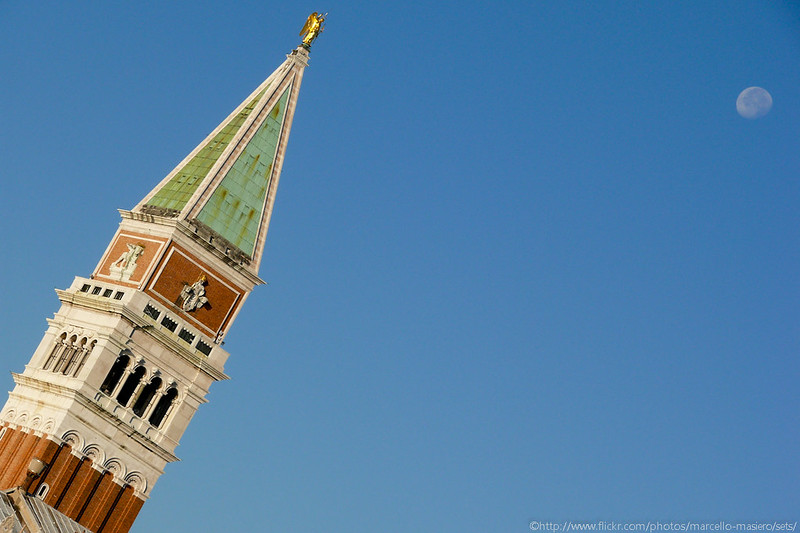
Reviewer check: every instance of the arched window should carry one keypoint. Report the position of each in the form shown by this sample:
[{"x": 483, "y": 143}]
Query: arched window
[
  {"x": 115, "y": 374},
  {"x": 66, "y": 353},
  {"x": 79, "y": 350},
  {"x": 162, "y": 407},
  {"x": 83, "y": 359},
  {"x": 59, "y": 345},
  {"x": 129, "y": 387},
  {"x": 149, "y": 390},
  {"x": 42, "y": 491}
]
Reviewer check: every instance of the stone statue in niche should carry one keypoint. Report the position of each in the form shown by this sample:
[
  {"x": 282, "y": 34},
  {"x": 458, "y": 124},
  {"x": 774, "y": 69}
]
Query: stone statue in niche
[
  {"x": 194, "y": 295},
  {"x": 122, "y": 269}
]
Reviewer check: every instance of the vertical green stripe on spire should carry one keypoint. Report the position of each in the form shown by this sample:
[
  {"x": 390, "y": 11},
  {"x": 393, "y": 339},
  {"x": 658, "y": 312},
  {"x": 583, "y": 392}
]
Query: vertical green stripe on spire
[
  {"x": 235, "y": 208},
  {"x": 184, "y": 183}
]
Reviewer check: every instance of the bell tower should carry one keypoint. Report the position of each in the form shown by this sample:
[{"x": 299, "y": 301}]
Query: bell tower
[{"x": 131, "y": 353}]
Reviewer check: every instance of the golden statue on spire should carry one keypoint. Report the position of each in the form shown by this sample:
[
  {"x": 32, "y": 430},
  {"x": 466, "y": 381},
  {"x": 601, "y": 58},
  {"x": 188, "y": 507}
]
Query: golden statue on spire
[{"x": 313, "y": 27}]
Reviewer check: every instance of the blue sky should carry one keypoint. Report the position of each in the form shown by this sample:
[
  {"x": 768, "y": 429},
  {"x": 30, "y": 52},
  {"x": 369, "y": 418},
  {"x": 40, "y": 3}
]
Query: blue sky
[{"x": 526, "y": 260}]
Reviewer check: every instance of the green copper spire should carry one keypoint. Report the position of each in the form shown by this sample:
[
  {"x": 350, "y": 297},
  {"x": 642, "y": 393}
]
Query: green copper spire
[
  {"x": 235, "y": 208},
  {"x": 177, "y": 192},
  {"x": 225, "y": 189}
]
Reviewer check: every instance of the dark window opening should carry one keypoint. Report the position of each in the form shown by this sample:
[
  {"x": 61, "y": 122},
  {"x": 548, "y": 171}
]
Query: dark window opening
[
  {"x": 186, "y": 335},
  {"x": 68, "y": 351},
  {"x": 97, "y": 290},
  {"x": 169, "y": 323},
  {"x": 57, "y": 347},
  {"x": 115, "y": 374},
  {"x": 203, "y": 347},
  {"x": 42, "y": 491},
  {"x": 86, "y": 287},
  {"x": 83, "y": 360},
  {"x": 107, "y": 293},
  {"x": 146, "y": 396},
  {"x": 129, "y": 387},
  {"x": 162, "y": 407},
  {"x": 119, "y": 295},
  {"x": 152, "y": 312},
  {"x": 76, "y": 354}
]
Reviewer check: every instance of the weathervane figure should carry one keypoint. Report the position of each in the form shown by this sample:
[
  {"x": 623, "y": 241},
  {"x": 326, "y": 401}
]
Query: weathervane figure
[{"x": 313, "y": 27}]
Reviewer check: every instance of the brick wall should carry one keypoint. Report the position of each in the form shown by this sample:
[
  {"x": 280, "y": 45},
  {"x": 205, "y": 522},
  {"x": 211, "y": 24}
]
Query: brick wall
[{"x": 77, "y": 489}]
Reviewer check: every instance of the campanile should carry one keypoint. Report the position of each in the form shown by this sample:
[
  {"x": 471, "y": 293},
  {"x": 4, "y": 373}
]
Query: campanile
[{"x": 130, "y": 355}]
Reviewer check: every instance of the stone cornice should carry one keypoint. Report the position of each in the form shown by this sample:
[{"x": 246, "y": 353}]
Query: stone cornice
[
  {"x": 115, "y": 307},
  {"x": 147, "y": 217},
  {"x": 216, "y": 249},
  {"x": 91, "y": 406}
]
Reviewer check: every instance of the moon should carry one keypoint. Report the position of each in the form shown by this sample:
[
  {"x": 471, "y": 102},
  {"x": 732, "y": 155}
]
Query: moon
[{"x": 754, "y": 102}]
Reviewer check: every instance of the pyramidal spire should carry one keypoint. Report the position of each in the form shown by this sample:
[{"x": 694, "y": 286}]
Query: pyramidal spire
[
  {"x": 225, "y": 188},
  {"x": 133, "y": 350}
]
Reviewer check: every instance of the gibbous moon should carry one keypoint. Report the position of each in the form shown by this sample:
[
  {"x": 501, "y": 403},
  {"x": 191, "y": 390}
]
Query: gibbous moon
[{"x": 753, "y": 102}]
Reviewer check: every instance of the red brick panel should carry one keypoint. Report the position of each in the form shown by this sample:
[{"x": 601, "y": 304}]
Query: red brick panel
[
  {"x": 25, "y": 454},
  {"x": 6, "y": 443},
  {"x": 125, "y": 513},
  {"x": 79, "y": 490},
  {"x": 8, "y": 458},
  {"x": 16, "y": 457},
  {"x": 152, "y": 246},
  {"x": 46, "y": 451},
  {"x": 59, "y": 476},
  {"x": 178, "y": 269},
  {"x": 100, "y": 503},
  {"x": 9, "y": 434}
]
